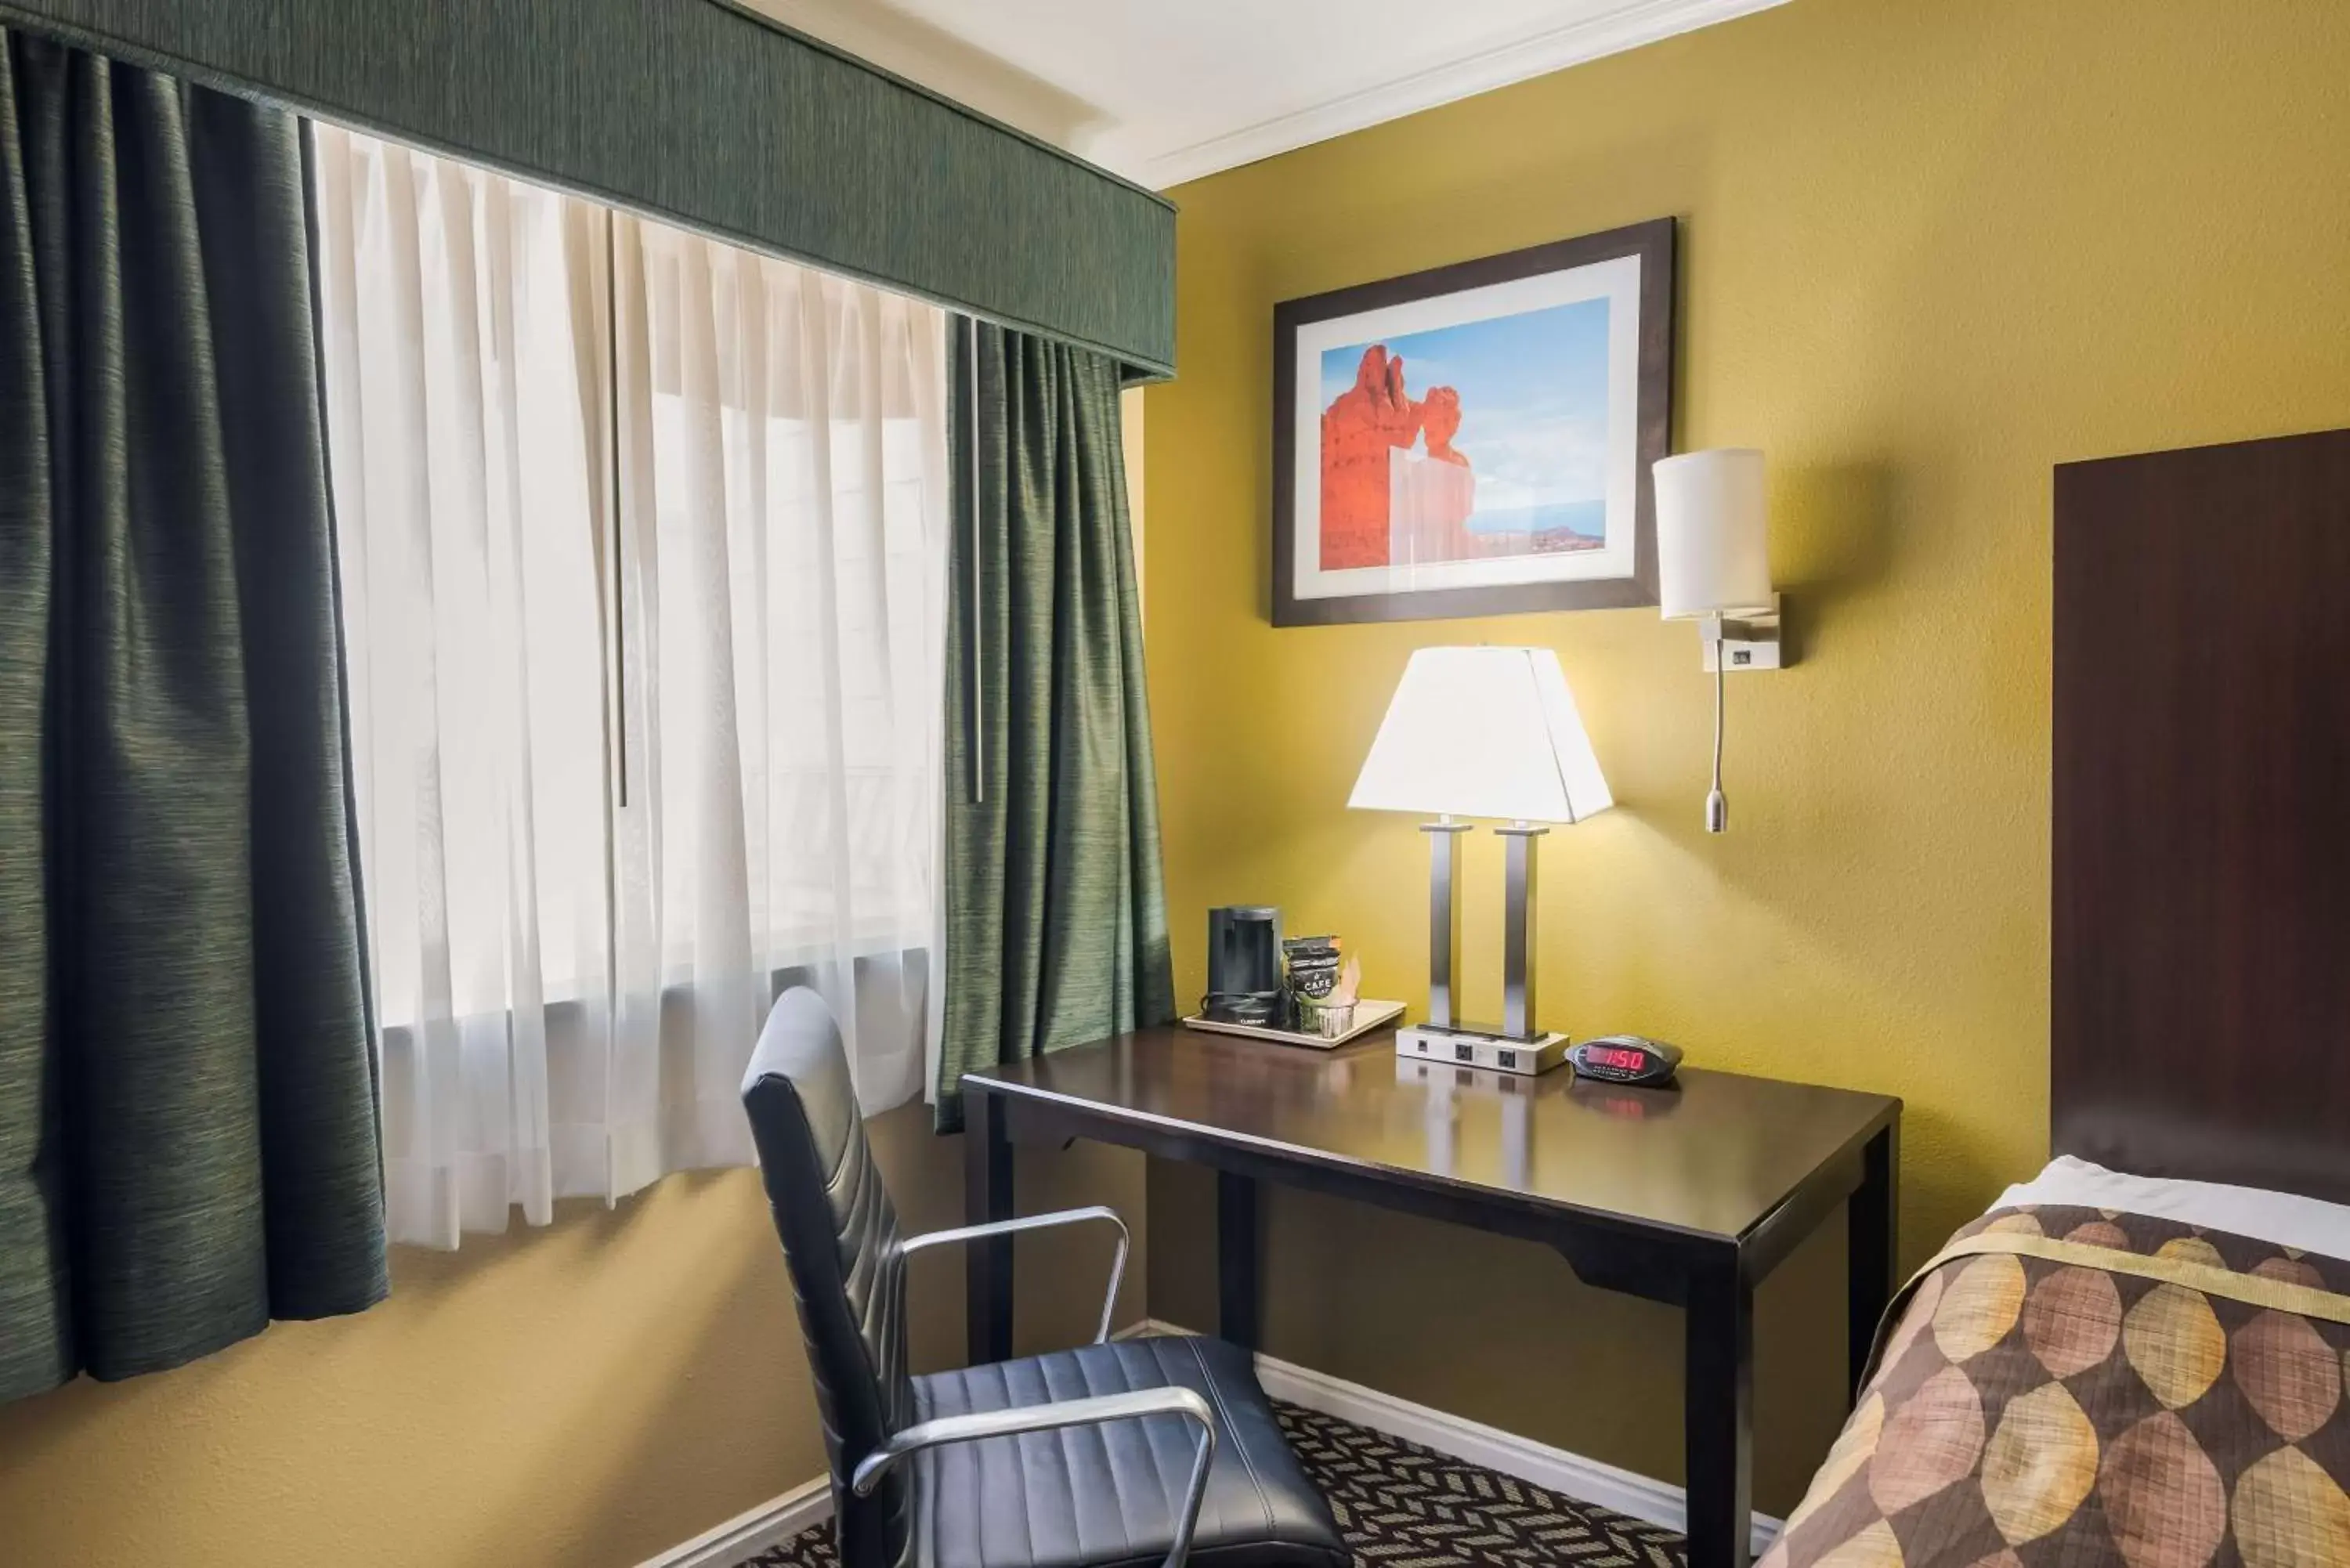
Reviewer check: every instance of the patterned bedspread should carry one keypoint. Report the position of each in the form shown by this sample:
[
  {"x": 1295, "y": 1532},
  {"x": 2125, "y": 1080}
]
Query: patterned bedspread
[{"x": 2071, "y": 1388}]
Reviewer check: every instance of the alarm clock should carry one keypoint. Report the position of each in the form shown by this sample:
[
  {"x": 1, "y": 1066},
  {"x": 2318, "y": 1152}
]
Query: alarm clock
[{"x": 1626, "y": 1059}]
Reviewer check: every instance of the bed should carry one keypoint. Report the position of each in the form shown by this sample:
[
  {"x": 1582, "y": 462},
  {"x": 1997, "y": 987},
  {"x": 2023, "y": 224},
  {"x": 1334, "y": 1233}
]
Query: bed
[{"x": 2139, "y": 1358}]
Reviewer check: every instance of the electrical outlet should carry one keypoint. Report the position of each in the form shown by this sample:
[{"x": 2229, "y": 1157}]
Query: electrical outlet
[
  {"x": 1745, "y": 654},
  {"x": 1752, "y": 643}
]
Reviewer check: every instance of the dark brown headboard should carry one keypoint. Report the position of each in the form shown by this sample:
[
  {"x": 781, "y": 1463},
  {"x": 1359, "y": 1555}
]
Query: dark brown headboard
[{"x": 2201, "y": 927}]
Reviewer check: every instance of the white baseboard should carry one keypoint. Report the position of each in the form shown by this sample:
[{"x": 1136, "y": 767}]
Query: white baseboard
[
  {"x": 753, "y": 1531},
  {"x": 1555, "y": 1469}
]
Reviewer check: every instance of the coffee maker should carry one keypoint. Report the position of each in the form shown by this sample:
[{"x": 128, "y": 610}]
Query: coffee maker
[{"x": 1245, "y": 966}]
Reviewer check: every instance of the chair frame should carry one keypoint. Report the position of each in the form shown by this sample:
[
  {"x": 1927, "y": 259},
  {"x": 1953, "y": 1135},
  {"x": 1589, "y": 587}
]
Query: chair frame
[
  {"x": 1062, "y": 1413},
  {"x": 1100, "y": 1212}
]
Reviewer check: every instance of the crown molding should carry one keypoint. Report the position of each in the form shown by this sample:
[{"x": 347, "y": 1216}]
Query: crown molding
[
  {"x": 1625, "y": 26},
  {"x": 946, "y": 65}
]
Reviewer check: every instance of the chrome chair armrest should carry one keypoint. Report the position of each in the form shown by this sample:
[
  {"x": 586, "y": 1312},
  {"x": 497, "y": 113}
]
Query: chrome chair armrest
[
  {"x": 1167, "y": 1401},
  {"x": 961, "y": 1234}
]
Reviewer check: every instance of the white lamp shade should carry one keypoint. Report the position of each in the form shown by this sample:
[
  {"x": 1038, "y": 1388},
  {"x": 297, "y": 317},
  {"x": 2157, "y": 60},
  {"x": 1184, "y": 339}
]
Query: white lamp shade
[
  {"x": 1712, "y": 557},
  {"x": 1484, "y": 731}
]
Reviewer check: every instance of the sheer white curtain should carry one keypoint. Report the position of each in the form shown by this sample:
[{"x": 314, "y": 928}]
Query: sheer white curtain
[{"x": 571, "y": 958}]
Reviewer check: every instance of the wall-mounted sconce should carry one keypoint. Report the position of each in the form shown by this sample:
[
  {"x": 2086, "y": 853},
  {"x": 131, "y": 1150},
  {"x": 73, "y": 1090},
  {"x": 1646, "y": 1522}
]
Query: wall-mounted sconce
[{"x": 1713, "y": 567}]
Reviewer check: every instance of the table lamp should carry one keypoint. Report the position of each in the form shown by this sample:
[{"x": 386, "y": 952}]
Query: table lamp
[
  {"x": 1483, "y": 732},
  {"x": 1713, "y": 567}
]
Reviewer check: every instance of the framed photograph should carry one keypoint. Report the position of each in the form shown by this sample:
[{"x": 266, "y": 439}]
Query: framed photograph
[{"x": 1475, "y": 439}]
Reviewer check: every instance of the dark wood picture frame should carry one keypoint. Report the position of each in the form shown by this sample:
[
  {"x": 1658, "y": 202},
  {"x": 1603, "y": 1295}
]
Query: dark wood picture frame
[{"x": 1653, "y": 243}]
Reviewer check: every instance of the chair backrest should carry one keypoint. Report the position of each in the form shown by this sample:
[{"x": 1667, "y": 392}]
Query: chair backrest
[{"x": 840, "y": 1242}]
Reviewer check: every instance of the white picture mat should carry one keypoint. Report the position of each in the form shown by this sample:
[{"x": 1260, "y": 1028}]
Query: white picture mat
[{"x": 1616, "y": 281}]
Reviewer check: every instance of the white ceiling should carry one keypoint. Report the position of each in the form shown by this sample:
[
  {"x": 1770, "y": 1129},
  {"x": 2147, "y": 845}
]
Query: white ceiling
[{"x": 1167, "y": 90}]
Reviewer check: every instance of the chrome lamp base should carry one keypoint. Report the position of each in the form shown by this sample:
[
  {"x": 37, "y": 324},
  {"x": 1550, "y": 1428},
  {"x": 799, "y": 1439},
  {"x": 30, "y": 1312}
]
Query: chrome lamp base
[
  {"x": 1444, "y": 1037},
  {"x": 1443, "y": 919}
]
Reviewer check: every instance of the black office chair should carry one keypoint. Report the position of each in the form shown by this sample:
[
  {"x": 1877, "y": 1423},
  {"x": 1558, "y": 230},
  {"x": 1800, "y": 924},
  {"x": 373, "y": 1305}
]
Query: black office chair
[{"x": 1122, "y": 1454}]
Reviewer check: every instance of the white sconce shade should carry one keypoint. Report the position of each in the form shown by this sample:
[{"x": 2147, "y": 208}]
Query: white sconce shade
[
  {"x": 1712, "y": 557},
  {"x": 1484, "y": 731}
]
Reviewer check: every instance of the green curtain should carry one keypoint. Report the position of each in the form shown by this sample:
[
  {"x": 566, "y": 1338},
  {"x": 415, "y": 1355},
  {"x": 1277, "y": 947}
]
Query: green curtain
[
  {"x": 1056, "y": 909},
  {"x": 187, "y": 1096}
]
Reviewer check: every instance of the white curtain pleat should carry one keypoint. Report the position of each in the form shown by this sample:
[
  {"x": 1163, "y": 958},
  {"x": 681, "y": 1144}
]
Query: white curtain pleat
[{"x": 568, "y": 989}]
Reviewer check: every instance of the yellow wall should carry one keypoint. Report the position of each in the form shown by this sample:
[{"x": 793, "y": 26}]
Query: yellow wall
[
  {"x": 1929, "y": 250},
  {"x": 584, "y": 1396}
]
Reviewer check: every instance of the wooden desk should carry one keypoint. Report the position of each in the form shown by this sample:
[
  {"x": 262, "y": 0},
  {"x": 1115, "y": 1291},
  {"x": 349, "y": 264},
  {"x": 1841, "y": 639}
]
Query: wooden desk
[{"x": 1688, "y": 1195}]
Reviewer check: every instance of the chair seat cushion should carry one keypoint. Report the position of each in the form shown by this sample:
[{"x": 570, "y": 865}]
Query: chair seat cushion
[{"x": 1104, "y": 1496}]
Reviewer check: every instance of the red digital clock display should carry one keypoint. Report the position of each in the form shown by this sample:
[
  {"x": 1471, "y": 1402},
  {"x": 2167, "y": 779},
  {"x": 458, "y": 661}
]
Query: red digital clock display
[{"x": 1616, "y": 1057}]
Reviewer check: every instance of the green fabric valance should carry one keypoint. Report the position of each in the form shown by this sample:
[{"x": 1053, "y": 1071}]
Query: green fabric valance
[{"x": 699, "y": 113}]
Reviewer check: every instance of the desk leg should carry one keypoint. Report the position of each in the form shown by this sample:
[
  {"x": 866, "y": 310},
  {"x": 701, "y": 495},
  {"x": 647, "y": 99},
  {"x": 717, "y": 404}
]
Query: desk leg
[
  {"x": 1718, "y": 1413},
  {"x": 1872, "y": 1215},
  {"x": 986, "y": 1196},
  {"x": 1236, "y": 1282}
]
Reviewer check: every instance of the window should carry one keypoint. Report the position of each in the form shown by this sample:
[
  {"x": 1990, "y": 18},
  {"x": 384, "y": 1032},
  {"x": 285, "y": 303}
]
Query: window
[{"x": 572, "y": 957}]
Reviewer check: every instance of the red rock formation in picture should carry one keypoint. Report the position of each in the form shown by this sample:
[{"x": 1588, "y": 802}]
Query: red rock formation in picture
[
  {"x": 1366, "y": 430},
  {"x": 1431, "y": 495},
  {"x": 1440, "y": 421},
  {"x": 1359, "y": 428}
]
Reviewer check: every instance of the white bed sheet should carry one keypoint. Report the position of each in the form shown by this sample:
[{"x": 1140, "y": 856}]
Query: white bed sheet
[{"x": 2305, "y": 1224}]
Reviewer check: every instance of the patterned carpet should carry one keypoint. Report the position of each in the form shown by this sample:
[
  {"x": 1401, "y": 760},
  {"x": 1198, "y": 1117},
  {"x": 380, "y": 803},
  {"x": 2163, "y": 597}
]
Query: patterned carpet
[{"x": 1403, "y": 1506}]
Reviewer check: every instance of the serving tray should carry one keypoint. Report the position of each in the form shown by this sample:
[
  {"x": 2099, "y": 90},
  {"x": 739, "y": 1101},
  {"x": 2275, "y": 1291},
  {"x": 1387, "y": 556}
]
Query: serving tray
[{"x": 1369, "y": 1015}]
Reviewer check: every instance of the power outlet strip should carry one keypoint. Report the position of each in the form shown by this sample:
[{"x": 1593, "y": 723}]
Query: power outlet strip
[{"x": 1469, "y": 1048}]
